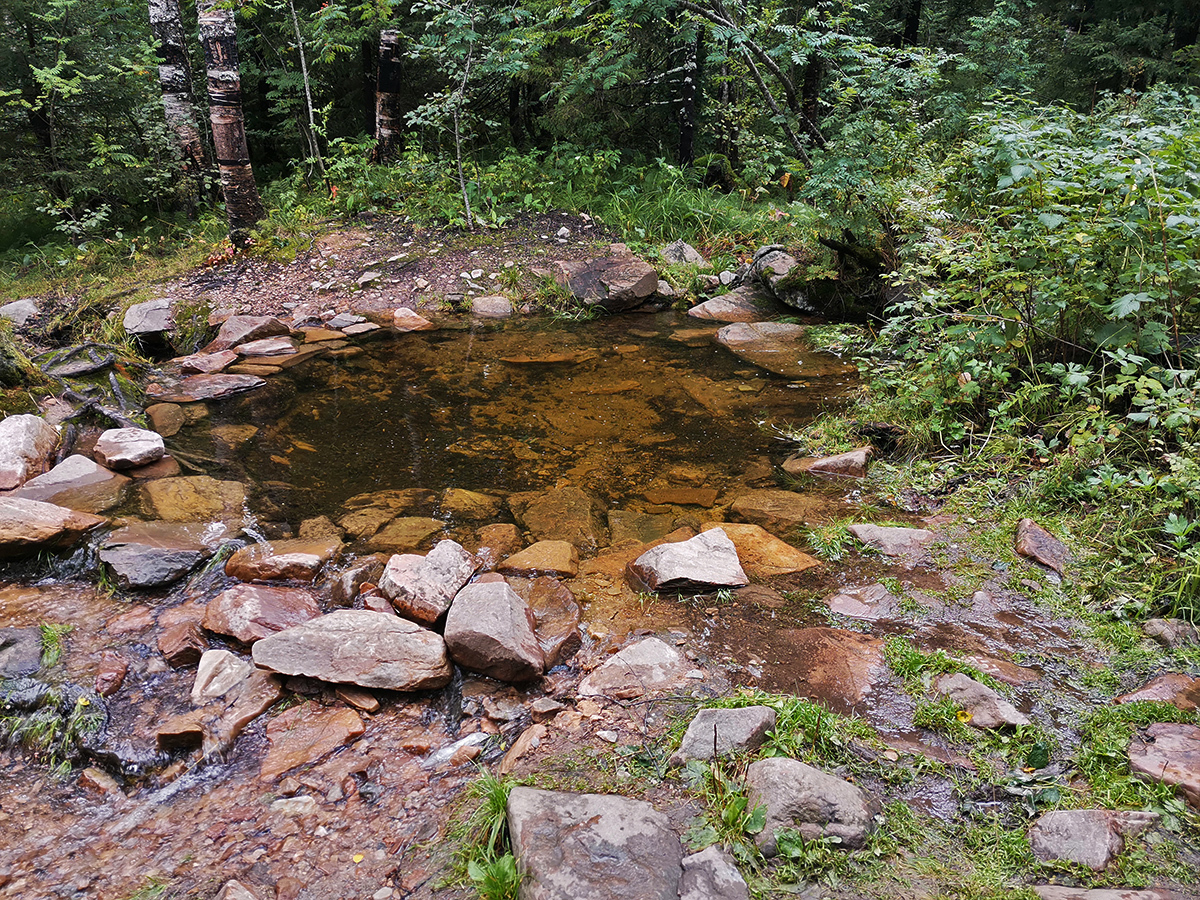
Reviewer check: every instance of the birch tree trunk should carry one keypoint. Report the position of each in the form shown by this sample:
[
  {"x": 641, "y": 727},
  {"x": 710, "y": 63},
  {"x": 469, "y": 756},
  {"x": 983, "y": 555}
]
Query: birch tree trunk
[
  {"x": 389, "y": 82},
  {"x": 218, "y": 35},
  {"x": 175, "y": 76}
]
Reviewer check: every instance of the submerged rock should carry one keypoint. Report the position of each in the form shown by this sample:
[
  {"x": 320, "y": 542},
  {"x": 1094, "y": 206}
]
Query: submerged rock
[
  {"x": 369, "y": 649},
  {"x": 775, "y": 346},
  {"x": 567, "y": 514},
  {"x": 405, "y": 533},
  {"x": 194, "y": 498},
  {"x": 707, "y": 561},
  {"x": 647, "y": 666},
  {"x": 814, "y": 803},
  {"x": 305, "y": 734},
  {"x": 779, "y": 511},
  {"x": 490, "y": 629},
  {"x": 592, "y": 847}
]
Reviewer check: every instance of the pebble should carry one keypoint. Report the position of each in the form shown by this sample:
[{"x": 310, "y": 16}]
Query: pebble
[{"x": 610, "y": 736}]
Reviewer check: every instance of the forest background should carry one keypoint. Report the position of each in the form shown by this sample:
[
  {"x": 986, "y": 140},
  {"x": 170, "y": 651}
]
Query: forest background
[{"x": 1004, "y": 196}]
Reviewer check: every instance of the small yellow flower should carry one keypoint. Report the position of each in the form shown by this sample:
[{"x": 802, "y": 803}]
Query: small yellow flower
[
  {"x": 358, "y": 857},
  {"x": 964, "y": 716},
  {"x": 84, "y": 701}
]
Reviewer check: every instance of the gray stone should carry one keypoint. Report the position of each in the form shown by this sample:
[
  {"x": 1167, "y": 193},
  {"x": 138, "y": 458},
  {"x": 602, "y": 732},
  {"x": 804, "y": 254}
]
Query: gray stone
[
  {"x": 1172, "y": 632},
  {"x": 712, "y": 875},
  {"x": 151, "y": 554},
  {"x": 26, "y": 443},
  {"x": 370, "y": 649},
  {"x": 19, "y": 311},
  {"x": 1088, "y": 837},
  {"x": 422, "y": 587},
  {"x": 592, "y": 847},
  {"x": 77, "y": 483},
  {"x": 681, "y": 252},
  {"x": 614, "y": 283},
  {"x": 127, "y": 448},
  {"x": 897, "y": 542},
  {"x": 709, "y": 560},
  {"x": 566, "y": 514},
  {"x": 152, "y": 317},
  {"x": 987, "y": 708},
  {"x": 721, "y": 732},
  {"x": 272, "y": 346},
  {"x": 490, "y": 629},
  {"x": 815, "y": 804},
  {"x": 771, "y": 267},
  {"x": 239, "y": 329},
  {"x": 20, "y": 652},
  {"x": 493, "y": 306},
  {"x": 649, "y": 665},
  {"x": 27, "y": 526},
  {"x": 344, "y": 320}
]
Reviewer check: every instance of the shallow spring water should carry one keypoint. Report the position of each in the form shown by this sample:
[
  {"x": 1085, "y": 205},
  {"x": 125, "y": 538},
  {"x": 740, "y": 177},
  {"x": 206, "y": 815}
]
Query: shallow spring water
[{"x": 608, "y": 405}]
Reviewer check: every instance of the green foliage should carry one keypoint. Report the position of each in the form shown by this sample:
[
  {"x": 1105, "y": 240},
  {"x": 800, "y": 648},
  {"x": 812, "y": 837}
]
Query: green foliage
[
  {"x": 481, "y": 848},
  {"x": 52, "y": 732},
  {"x": 53, "y": 641}
]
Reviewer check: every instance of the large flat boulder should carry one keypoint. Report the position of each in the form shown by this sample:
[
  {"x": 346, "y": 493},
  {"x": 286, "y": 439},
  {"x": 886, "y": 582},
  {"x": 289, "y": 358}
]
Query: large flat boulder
[
  {"x": 151, "y": 317},
  {"x": 779, "y": 511},
  {"x": 1087, "y": 837},
  {"x": 559, "y": 558},
  {"x": 151, "y": 554},
  {"x": 904, "y": 543},
  {"x": 566, "y": 514},
  {"x": 27, "y": 526},
  {"x": 422, "y": 587},
  {"x": 814, "y": 803},
  {"x": 251, "y": 612},
  {"x": 775, "y": 346},
  {"x": 490, "y": 629},
  {"x": 369, "y": 649},
  {"x": 194, "y": 498},
  {"x": 592, "y": 847},
  {"x": 26, "y": 443},
  {"x": 707, "y": 561},
  {"x": 77, "y": 483}
]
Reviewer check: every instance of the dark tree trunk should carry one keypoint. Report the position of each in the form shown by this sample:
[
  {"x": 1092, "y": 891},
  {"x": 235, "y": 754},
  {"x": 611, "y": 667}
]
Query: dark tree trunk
[
  {"x": 368, "y": 57},
  {"x": 810, "y": 108},
  {"x": 218, "y": 34},
  {"x": 516, "y": 118},
  {"x": 390, "y": 82},
  {"x": 1187, "y": 27},
  {"x": 689, "y": 94},
  {"x": 910, "y": 15},
  {"x": 41, "y": 122},
  {"x": 175, "y": 76}
]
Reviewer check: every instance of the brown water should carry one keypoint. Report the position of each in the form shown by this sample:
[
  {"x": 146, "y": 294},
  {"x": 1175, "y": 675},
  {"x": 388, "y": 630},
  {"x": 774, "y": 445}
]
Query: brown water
[{"x": 608, "y": 405}]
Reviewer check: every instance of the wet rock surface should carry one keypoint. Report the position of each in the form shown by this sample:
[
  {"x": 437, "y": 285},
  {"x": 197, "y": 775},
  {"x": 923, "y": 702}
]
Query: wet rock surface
[
  {"x": 27, "y": 526},
  {"x": 649, "y": 665},
  {"x": 127, "y": 448},
  {"x": 422, "y": 587},
  {"x": 490, "y": 629},
  {"x": 1170, "y": 753},
  {"x": 77, "y": 483},
  {"x": 26, "y": 443},
  {"x": 251, "y": 612},
  {"x": 986, "y": 707},
  {"x": 151, "y": 554},
  {"x": 1087, "y": 837}
]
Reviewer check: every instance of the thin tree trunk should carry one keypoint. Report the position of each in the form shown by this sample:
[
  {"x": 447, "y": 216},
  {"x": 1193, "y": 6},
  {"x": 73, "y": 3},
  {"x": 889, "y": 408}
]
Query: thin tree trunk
[
  {"x": 311, "y": 135},
  {"x": 688, "y": 94},
  {"x": 810, "y": 109},
  {"x": 175, "y": 76},
  {"x": 218, "y": 34},
  {"x": 458, "y": 101},
  {"x": 387, "y": 94}
]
